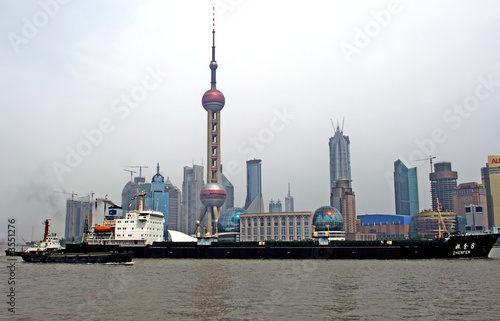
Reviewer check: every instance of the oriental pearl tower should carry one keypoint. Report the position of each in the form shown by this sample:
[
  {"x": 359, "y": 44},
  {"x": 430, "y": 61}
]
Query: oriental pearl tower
[{"x": 213, "y": 194}]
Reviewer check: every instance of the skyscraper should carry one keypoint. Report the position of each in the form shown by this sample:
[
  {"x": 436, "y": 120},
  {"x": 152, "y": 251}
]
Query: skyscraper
[
  {"x": 343, "y": 199},
  {"x": 191, "y": 205},
  {"x": 77, "y": 210},
  {"x": 491, "y": 180},
  {"x": 289, "y": 206},
  {"x": 130, "y": 200},
  {"x": 254, "y": 202},
  {"x": 341, "y": 194},
  {"x": 443, "y": 182},
  {"x": 174, "y": 205},
  {"x": 340, "y": 157},
  {"x": 275, "y": 207},
  {"x": 467, "y": 194},
  {"x": 213, "y": 194},
  {"x": 405, "y": 189},
  {"x": 228, "y": 186},
  {"x": 157, "y": 198}
]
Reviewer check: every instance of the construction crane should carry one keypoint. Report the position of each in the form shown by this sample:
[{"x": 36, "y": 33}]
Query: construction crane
[
  {"x": 430, "y": 158},
  {"x": 131, "y": 173},
  {"x": 139, "y": 167}
]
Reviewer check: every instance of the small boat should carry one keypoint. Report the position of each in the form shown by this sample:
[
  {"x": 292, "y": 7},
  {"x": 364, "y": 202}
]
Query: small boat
[
  {"x": 100, "y": 257},
  {"x": 50, "y": 242}
]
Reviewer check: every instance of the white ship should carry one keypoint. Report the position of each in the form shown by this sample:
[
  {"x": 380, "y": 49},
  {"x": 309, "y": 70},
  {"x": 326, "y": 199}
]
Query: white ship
[{"x": 135, "y": 229}]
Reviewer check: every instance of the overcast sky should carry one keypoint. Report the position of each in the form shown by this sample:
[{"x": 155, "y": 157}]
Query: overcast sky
[{"x": 90, "y": 87}]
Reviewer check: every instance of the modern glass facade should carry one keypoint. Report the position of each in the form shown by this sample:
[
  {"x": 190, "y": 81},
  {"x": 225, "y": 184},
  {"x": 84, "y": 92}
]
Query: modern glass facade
[
  {"x": 405, "y": 189},
  {"x": 229, "y": 221},
  {"x": 328, "y": 218},
  {"x": 254, "y": 202},
  {"x": 340, "y": 158}
]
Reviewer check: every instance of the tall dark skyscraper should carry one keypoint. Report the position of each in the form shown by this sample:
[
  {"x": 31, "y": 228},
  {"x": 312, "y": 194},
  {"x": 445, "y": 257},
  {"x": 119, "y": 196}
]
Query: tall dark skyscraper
[
  {"x": 443, "y": 183},
  {"x": 254, "y": 202},
  {"x": 340, "y": 157},
  {"x": 341, "y": 194},
  {"x": 213, "y": 194},
  {"x": 405, "y": 189},
  {"x": 191, "y": 205}
]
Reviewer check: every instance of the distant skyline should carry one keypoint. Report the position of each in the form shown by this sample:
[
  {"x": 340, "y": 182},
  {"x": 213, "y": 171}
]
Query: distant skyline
[{"x": 90, "y": 87}]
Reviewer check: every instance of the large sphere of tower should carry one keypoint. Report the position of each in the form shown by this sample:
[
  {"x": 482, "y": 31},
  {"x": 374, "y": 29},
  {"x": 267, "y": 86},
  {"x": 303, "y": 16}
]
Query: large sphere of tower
[
  {"x": 213, "y": 100},
  {"x": 213, "y": 194}
]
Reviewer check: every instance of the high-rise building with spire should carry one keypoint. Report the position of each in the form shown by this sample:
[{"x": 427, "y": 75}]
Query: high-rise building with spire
[
  {"x": 289, "y": 206},
  {"x": 340, "y": 157},
  {"x": 341, "y": 194},
  {"x": 213, "y": 194}
]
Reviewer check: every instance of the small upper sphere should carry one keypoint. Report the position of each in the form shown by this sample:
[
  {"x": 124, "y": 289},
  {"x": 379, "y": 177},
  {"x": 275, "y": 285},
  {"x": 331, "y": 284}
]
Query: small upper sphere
[
  {"x": 213, "y": 65},
  {"x": 213, "y": 100}
]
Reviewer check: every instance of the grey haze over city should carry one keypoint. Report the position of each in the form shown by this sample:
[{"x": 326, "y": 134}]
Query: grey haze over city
[{"x": 91, "y": 87}]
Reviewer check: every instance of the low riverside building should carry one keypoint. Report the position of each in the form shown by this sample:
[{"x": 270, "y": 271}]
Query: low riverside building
[
  {"x": 385, "y": 226},
  {"x": 284, "y": 226}
]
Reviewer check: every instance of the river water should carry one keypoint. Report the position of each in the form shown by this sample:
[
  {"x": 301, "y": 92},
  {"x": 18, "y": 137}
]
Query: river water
[{"x": 185, "y": 289}]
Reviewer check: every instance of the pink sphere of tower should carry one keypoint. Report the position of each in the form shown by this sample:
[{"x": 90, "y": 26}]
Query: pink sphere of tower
[
  {"x": 213, "y": 194},
  {"x": 213, "y": 100}
]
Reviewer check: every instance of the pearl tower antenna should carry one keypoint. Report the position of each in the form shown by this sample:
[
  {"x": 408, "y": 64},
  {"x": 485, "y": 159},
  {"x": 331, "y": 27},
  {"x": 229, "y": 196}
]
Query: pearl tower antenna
[{"x": 213, "y": 194}]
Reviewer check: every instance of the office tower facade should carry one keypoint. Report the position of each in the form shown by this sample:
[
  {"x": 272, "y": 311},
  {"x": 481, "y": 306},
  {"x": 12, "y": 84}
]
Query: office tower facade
[
  {"x": 275, "y": 207},
  {"x": 254, "y": 202},
  {"x": 77, "y": 210},
  {"x": 289, "y": 205},
  {"x": 475, "y": 218},
  {"x": 340, "y": 157},
  {"x": 443, "y": 183},
  {"x": 471, "y": 194},
  {"x": 342, "y": 198},
  {"x": 405, "y": 189},
  {"x": 157, "y": 198},
  {"x": 213, "y": 195},
  {"x": 191, "y": 205},
  {"x": 491, "y": 181},
  {"x": 174, "y": 205},
  {"x": 228, "y": 186},
  {"x": 130, "y": 200}
]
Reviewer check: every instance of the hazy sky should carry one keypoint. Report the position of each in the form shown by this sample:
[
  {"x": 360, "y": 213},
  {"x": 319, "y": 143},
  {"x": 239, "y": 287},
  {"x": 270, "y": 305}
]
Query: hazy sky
[{"x": 90, "y": 87}]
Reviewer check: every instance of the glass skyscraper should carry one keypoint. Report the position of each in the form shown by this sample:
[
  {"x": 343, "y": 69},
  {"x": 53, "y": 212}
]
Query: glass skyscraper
[
  {"x": 254, "y": 202},
  {"x": 340, "y": 157},
  {"x": 405, "y": 189}
]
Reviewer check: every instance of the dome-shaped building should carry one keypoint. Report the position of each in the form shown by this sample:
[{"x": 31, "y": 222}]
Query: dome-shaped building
[
  {"x": 329, "y": 220},
  {"x": 229, "y": 223}
]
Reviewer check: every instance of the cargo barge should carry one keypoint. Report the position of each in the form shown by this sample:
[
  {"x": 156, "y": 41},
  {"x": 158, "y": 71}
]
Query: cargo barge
[{"x": 454, "y": 246}]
